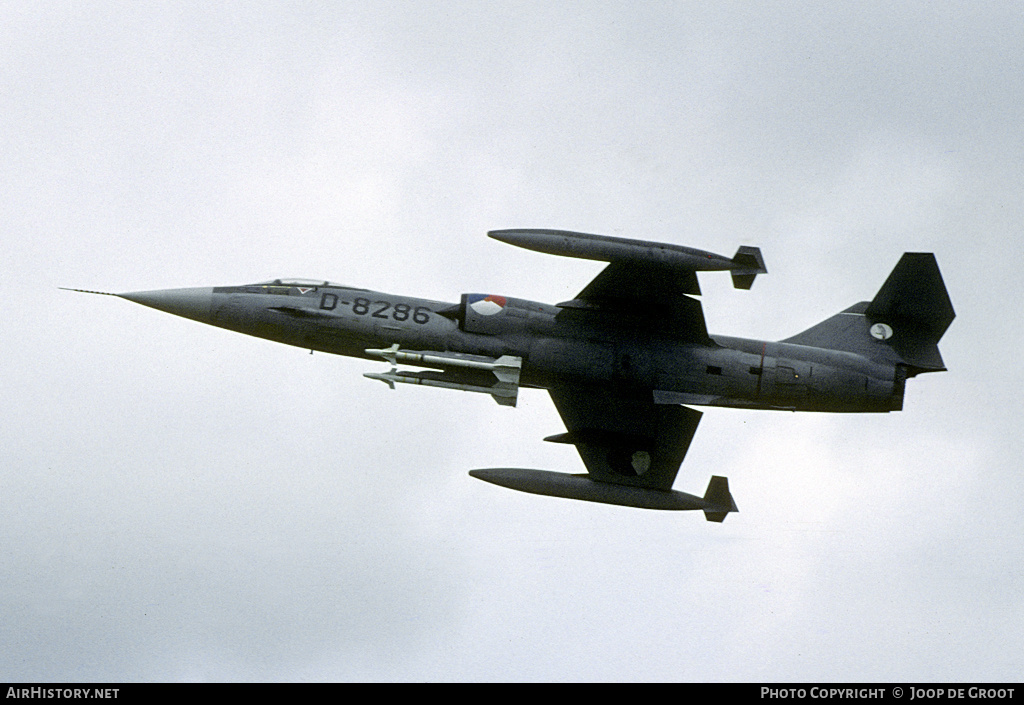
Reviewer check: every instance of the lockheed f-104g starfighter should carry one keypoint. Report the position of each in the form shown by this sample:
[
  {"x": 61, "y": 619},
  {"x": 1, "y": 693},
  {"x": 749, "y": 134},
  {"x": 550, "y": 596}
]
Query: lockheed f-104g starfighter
[{"x": 624, "y": 361}]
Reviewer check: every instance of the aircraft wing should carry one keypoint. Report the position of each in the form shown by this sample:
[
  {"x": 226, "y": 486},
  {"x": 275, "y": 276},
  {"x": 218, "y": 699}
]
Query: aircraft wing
[
  {"x": 625, "y": 439},
  {"x": 647, "y": 283},
  {"x": 646, "y": 293}
]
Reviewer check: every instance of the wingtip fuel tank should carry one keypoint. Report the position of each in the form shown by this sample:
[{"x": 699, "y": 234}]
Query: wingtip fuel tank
[
  {"x": 716, "y": 503},
  {"x": 747, "y": 263}
]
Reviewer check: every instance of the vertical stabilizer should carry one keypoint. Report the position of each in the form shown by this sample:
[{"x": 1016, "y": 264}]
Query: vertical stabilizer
[
  {"x": 903, "y": 323},
  {"x": 912, "y": 311}
]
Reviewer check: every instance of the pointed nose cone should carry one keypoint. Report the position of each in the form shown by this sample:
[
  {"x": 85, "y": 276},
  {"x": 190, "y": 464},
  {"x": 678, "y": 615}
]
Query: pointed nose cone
[{"x": 196, "y": 303}]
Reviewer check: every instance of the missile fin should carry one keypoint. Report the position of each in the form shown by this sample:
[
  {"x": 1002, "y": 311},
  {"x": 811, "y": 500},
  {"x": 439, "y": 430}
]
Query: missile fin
[{"x": 385, "y": 377}]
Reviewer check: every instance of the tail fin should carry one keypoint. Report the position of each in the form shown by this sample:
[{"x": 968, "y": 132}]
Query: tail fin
[
  {"x": 751, "y": 264},
  {"x": 905, "y": 320}
]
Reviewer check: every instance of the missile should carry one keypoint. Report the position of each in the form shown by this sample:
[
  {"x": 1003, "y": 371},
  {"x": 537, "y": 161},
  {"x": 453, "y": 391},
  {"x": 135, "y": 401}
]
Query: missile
[
  {"x": 744, "y": 266},
  {"x": 506, "y": 368},
  {"x": 716, "y": 502},
  {"x": 504, "y": 394}
]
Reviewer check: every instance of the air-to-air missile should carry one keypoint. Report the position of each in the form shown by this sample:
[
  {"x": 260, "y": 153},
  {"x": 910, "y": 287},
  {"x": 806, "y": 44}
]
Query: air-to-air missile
[{"x": 504, "y": 386}]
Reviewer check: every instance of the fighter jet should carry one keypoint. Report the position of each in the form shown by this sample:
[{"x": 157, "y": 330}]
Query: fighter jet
[{"x": 625, "y": 361}]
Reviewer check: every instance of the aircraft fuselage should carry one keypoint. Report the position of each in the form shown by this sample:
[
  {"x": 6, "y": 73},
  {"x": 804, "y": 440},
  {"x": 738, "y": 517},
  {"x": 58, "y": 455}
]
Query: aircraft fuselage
[{"x": 584, "y": 348}]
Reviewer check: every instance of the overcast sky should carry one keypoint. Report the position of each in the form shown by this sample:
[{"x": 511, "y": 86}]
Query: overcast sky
[{"x": 179, "y": 502}]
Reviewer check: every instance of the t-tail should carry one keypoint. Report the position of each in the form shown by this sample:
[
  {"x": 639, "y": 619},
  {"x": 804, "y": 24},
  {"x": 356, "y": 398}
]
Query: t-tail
[{"x": 902, "y": 325}]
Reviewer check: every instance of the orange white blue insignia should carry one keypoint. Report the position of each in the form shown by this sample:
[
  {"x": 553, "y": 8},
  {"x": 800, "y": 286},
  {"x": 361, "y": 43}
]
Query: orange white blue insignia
[{"x": 486, "y": 304}]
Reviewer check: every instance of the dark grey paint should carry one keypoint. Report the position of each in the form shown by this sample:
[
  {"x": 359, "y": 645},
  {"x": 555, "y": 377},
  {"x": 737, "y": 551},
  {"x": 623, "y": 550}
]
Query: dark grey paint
[{"x": 620, "y": 360}]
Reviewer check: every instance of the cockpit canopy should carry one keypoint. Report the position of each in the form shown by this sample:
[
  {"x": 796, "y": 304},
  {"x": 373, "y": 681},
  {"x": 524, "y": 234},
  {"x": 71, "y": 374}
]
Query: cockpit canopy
[
  {"x": 286, "y": 287},
  {"x": 300, "y": 282}
]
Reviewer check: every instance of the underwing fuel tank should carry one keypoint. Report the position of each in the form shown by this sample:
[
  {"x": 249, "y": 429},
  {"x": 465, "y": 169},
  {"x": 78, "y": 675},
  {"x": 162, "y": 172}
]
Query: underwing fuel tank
[{"x": 716, "y": 502}]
